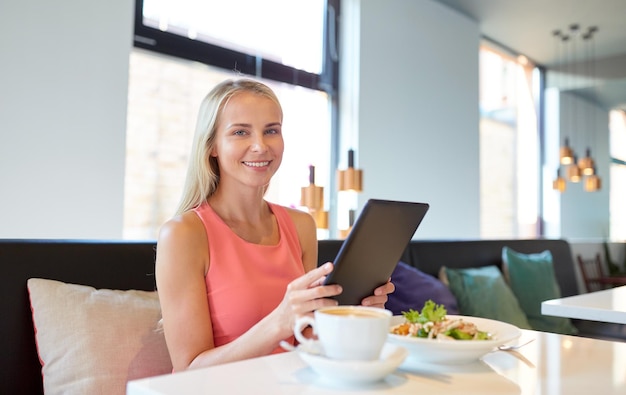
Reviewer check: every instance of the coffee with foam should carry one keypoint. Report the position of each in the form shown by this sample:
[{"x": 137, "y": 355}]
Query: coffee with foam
[{"x": 355, "y": 333}]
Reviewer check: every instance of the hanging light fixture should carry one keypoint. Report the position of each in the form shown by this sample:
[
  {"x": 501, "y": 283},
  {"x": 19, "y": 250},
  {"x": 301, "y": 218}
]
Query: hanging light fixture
[
  {"x": 312, "y": 197},
  {"x": 573, "y": 171},
  {"x": 586, "y": 164},
  {"x": 350, "y": 179},
  {"x": 574, "y": 126},
  {"x": 350, "y": 182},
  {"x": 583, "y": 169},
  {"x": 593, "y": 183},
  {"x": 343, "y": 233},
  {"x": 559, "y": 183},
  {"x": 566, "y": 153}
]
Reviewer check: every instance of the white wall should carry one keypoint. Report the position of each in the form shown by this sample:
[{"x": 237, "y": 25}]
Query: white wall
[
  {"x": 414, "y": 78},
  {"x": 63, "y": 87}
]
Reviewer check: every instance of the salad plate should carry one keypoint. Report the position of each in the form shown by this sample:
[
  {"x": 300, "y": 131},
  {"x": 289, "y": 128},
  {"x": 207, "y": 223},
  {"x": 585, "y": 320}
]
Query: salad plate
[
  {"x": 437, "y": 351},
  {"x": 342, "y": 373}
]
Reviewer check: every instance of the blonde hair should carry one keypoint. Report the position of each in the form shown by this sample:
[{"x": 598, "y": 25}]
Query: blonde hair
[{"x": 203, "y": 173}]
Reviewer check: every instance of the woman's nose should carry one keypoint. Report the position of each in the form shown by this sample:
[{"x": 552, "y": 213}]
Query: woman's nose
[{"x": 258, "y": 144}]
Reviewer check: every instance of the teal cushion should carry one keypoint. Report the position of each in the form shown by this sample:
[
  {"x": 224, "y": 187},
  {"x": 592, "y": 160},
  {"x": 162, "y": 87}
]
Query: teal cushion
[
  {"x": 482, "y": 292},
  {"x": 532, "y": 279}
]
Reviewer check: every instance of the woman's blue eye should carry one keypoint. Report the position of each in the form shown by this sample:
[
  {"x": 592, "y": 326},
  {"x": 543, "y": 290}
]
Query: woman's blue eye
[
  {"x": 271, "y": 131},
  {"x": 240, "y": 132}
]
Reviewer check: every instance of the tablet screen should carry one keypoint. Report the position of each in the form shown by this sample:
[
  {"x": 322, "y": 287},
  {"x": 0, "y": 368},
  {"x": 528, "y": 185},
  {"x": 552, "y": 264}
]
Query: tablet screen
[{"x": 374, "y": 246}]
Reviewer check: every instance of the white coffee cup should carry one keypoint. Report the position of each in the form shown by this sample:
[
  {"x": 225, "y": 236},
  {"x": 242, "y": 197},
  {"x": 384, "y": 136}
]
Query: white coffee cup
[{"x": 347, "y": 332}]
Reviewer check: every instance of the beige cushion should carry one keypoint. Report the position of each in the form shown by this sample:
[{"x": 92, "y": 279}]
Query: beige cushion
[{"x": 93, "y": 341}]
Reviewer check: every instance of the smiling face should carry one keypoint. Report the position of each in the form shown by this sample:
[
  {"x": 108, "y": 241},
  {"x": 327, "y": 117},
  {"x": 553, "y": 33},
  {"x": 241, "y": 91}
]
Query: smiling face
[{"x": 248, "y": 142}]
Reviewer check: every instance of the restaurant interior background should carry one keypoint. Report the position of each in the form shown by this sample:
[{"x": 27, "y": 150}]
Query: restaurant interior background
[{"x": 409, "y": 87}]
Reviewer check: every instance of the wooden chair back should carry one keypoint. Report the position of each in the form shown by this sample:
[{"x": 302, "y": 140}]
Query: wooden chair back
[{"x": 592, "y": 272}]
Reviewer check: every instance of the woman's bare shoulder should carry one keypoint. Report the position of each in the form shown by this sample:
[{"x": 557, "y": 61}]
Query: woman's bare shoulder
[
  {"x": 303, "y": 221},
  {"x": 307, "y": 234},
  {"x": 182, "y": 237},
  {"x": 181, "y": 228}
]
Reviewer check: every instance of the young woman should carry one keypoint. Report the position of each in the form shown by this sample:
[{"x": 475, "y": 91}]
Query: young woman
[{"x": 234, "y": 271}]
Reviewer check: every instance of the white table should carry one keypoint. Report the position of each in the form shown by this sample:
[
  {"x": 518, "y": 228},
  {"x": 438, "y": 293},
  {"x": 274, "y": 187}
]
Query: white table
[
  {"x": 608, "y": 305},
  {"x": 551, "y": 365}
]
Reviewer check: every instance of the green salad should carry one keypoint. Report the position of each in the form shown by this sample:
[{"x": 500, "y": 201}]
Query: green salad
[{"x": 432, "y": 322}]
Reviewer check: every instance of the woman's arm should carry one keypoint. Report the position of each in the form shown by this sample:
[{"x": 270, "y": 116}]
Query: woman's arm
[
  {"x": 181, "y": 264},
  {"x": 307, "y": 234}
]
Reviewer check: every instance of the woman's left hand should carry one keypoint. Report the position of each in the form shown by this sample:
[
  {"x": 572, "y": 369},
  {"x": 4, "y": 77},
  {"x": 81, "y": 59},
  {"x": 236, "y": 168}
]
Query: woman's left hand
[{"x": 380, "y": 295}]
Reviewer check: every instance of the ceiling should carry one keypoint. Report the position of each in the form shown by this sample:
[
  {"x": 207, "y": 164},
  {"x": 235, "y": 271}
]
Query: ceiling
[{"x": 526, "y": 27}]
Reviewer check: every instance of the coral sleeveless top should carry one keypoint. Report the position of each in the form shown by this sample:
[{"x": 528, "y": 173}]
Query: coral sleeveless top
[{"x": 246, "y": 281}]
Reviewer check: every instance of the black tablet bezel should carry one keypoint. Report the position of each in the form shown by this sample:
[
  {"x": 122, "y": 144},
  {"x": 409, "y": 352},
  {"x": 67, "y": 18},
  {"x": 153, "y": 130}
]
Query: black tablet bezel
[{"x": 380, "y": 234}]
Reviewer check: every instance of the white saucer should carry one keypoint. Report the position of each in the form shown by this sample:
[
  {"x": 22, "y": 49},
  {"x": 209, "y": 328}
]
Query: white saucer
[{"x": 356, "y": 372}]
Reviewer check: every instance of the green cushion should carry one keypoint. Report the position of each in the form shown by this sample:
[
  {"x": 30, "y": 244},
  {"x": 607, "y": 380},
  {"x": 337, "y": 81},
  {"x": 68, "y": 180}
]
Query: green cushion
[
  {"x": 532, "y": 279},
  {"x": 482, "y": 292}
]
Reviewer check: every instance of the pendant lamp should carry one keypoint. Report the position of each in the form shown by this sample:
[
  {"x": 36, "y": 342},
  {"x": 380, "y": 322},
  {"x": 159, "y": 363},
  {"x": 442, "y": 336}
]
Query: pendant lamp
[
  {"x": 350, "y": 179},
  {"x": 559, "y": 183},
  {"x": 573, "y": 171},
  {"x": 586, "y": 164},
  {"x": 312, "y": 197},
  {"x": 593, "y": 183},
  {"x": 566, "y": 153}
]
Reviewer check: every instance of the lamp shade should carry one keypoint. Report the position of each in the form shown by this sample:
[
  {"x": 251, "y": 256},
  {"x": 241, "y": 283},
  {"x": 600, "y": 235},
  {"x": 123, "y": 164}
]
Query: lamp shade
[
  {"x": 350, "y": 179},
  {"x": 566, "y": 153},
  {"x": 559, "y": 182},
  {"x": 573, "y": 171},
  {"x": 592, "y": 183},
  {"x": 586, "y": 163},
  {"x": 312, "y": 196}
]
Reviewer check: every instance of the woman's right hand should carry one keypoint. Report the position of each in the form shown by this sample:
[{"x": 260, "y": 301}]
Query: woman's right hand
[{"x": 305, "y": 295}]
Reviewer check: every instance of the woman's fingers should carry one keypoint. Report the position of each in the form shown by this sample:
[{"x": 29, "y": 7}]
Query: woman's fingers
[
  {"x": 380, "y": 295},
  {"x": 307, "y": 293},
  {"x": 375, "y": 301},
  {"x": 385, "y": 289},
  {"x": 313, "y": 278},
  {"x": 319, "y": 281},
  {"x": 309, "y": 306},
  {"x": 305, "y": 301}
]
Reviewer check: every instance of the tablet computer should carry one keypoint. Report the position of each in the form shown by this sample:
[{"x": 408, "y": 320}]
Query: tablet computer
[{"x": 373, "y": 247}]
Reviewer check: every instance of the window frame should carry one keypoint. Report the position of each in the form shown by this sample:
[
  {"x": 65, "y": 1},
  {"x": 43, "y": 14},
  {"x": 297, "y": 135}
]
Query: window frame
[{"x": 172, "y": 44}]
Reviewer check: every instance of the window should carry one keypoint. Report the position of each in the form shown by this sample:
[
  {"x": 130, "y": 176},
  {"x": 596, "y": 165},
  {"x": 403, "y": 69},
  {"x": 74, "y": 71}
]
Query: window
[
  {"x": 617, "y": 193},
  {"x": 282, "y": 31},
  {"x": 275, "y": 39},
  {"x": 182, "y": 49},
  {"x": 509, "y": 146}
]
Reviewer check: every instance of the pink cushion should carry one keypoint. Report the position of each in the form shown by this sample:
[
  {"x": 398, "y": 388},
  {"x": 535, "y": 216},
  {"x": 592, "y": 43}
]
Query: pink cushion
[{"x": 93, "y": 341}]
